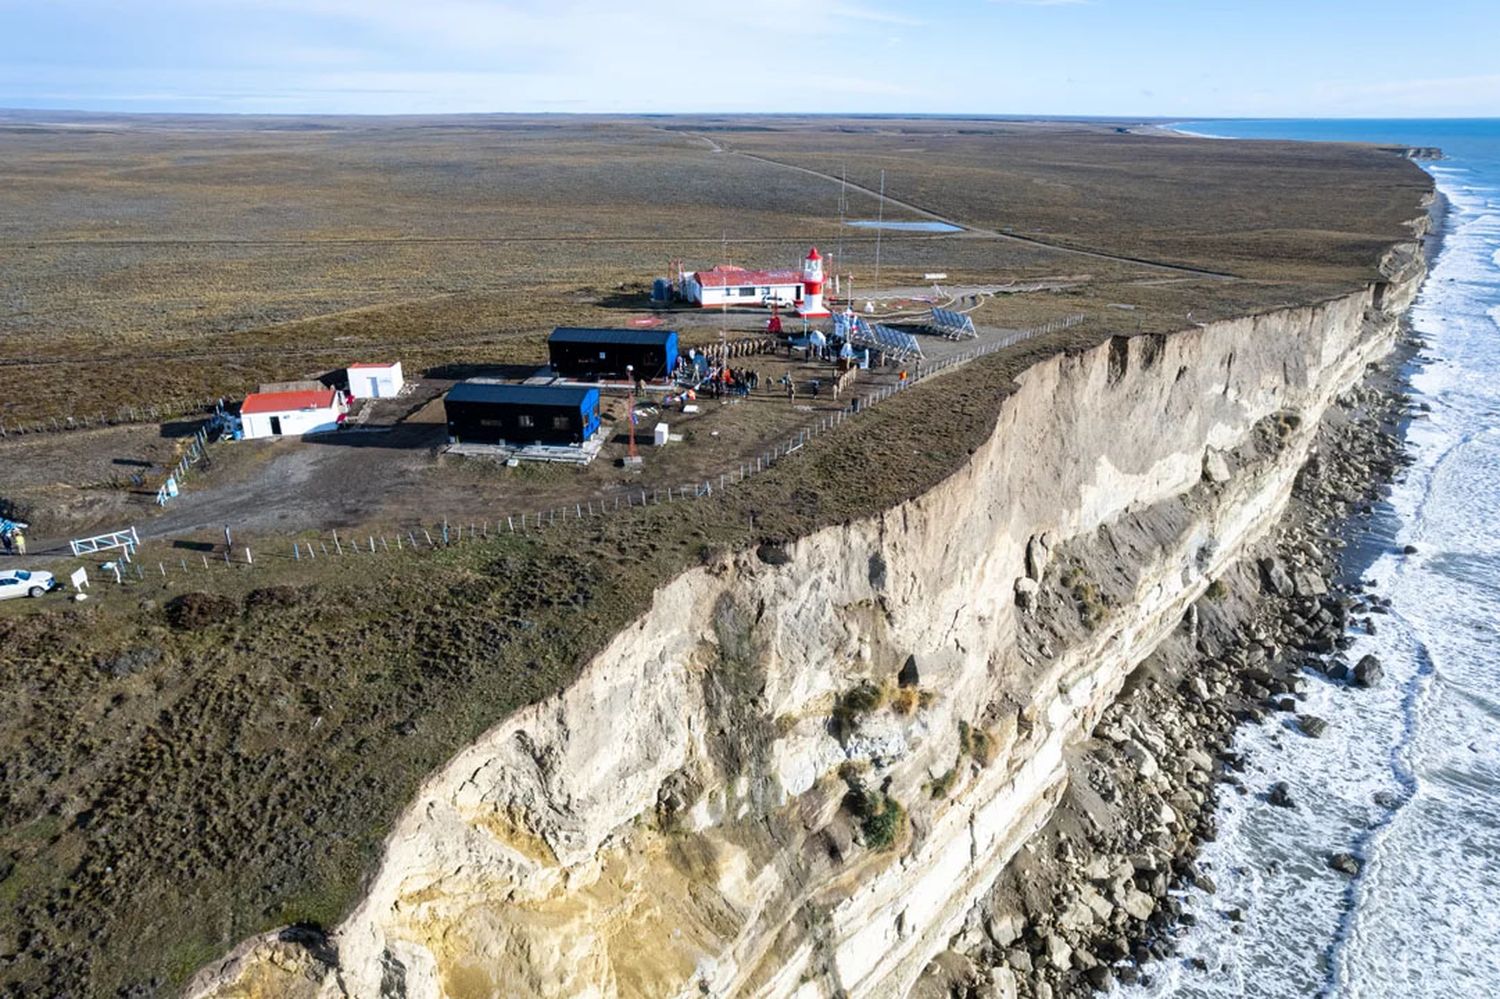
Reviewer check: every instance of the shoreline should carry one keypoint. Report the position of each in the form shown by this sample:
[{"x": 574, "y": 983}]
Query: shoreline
[{"x": 1242, "y": 659}]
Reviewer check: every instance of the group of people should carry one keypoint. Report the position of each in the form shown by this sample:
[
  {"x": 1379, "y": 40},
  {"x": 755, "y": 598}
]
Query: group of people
[
  {"x": 12, "y": 537},
  {"x": 732, "y": 381}
]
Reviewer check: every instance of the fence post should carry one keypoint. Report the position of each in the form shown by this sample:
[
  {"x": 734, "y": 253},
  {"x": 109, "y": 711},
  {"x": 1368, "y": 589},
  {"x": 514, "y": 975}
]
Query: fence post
[
  {"x": 336, "y": 545},
  {"x": 296, "y": 552},
  {"x": 249, "y": 558}
]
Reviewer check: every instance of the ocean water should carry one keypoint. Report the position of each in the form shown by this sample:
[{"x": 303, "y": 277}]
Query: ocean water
[{"x": 1408, "y": 775}]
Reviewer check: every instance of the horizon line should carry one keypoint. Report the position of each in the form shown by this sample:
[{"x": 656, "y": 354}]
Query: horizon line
[{"x": 957, "y": 115}]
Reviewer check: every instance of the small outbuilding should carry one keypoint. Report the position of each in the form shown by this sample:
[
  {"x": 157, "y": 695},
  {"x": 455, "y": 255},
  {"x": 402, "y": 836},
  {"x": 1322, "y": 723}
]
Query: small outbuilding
[
  {"x": 592, "y": 354},
  {"x": 290, "y": 414},
  {"x": 375, "y": 381},
  {"x": 519, "y": 415}
]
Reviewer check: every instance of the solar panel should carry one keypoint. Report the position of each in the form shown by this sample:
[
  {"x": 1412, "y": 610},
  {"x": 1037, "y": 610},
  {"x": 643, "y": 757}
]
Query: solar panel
[
  {"x": 897, "y": 343},
  {"x": 953, "y": 325}
]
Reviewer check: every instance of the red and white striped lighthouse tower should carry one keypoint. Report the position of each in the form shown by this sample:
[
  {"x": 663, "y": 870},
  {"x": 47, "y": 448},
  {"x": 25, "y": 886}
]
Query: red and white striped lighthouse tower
[{"x": 812, "y": 287}]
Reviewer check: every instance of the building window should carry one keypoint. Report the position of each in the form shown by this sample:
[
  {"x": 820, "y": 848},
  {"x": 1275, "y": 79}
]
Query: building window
[
  {"x": 562, "y": 423},
  {"x": 747, "y": 292},
  {"x": 524, "y": 420}
]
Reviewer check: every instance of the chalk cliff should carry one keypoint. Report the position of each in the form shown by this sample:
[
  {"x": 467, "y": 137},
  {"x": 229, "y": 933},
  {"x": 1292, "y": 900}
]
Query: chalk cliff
[{"x": 800, "y": 768}]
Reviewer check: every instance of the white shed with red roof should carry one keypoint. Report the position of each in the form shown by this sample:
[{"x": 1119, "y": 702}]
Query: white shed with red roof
[
  {"x": 290, "y": 414},
  {"x": 375, "y": 381}
]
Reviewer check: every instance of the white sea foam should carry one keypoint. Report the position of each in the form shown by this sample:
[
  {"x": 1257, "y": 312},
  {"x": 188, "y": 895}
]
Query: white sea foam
[{"x": 1422, "y": 918}]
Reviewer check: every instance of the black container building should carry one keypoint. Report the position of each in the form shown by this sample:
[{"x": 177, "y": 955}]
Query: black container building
[
  {"x": 494, "y": 413},
  {"x": 590, "y": 354}
]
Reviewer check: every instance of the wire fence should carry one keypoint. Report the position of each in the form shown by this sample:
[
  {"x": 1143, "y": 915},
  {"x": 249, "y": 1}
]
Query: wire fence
[
  {"x": 159, "y": 413},
  {"x": 530, "y": 521},
  {"x": 197, "y": 450},
  {"x": 348, "y": 545}
]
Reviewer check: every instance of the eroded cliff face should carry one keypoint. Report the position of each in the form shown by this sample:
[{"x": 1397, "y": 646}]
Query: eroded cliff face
[{"x": 679, "y": 821}]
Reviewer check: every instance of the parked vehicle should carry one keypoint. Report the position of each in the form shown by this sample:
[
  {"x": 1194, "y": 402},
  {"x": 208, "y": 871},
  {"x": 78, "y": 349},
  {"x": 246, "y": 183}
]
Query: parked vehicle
[{"x": 25, "y": 583}]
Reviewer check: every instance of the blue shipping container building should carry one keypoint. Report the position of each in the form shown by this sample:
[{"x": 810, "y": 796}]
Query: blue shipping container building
[
  {"x": 589, "y": 354},
  {"x": 492, "y": 413}
]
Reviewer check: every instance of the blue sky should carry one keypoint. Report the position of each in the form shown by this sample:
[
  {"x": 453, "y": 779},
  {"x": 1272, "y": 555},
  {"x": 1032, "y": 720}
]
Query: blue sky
[{"x": 1173, "y": 58}]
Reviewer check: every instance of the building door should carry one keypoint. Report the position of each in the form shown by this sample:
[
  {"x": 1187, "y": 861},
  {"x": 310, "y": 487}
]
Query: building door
[
  {"x": 374, "y": 388},
  {"x": 275, "y": 426}
]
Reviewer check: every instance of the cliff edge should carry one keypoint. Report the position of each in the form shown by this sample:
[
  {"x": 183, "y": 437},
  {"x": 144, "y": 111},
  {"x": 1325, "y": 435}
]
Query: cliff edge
[{"x": 798, "y": 770}]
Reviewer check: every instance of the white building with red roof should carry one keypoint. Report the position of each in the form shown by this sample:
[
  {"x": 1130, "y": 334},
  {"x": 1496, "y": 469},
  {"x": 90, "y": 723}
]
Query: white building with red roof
[
  {"x": 728, "y": 285},
  {"x": 375, "y": 381},
  {"x": 291, "y": 414}
]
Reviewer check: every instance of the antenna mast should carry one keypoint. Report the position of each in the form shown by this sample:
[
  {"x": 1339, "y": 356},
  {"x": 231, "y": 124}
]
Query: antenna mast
[
  {"x": 724, "y": 303},
  {"x": 879, "y": 227},
  {"x": 838, "y": 253}
]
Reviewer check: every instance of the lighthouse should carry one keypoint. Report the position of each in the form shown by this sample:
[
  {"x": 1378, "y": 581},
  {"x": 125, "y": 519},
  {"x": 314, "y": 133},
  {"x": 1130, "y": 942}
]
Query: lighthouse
[{"x": 812, "y": 287}]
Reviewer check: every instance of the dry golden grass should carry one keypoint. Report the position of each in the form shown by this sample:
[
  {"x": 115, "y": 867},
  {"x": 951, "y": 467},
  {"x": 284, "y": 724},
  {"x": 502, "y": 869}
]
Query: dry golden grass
[
  {"x": 169, "y": 791},
  {"x": 148, "y": 261}
]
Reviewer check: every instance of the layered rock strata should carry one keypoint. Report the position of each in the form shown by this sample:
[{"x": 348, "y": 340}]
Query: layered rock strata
[{"x": 801, "y": 768}]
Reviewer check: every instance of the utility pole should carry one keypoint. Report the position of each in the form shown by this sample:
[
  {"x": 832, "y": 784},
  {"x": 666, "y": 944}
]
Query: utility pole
[{"x": 632, "y": 455}]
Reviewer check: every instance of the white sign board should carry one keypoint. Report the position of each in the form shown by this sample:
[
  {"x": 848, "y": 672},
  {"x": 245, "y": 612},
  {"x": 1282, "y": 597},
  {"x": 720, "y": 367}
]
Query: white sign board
[{"x": 79, "y": 579}]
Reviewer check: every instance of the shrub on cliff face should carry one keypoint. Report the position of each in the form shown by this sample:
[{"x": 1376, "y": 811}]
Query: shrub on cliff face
[
  {"x": 906, "y": 700},
  {"x": 943, "y": 784},
  {"x": 976, "y": 742},
  {"x": 882, "y": 818},
  {"x": 884, "y": 827},
  {"x": 855, "y": 703},
  {"x": 1090, "y": 602},
  {"x": 1217, "y": 590}
]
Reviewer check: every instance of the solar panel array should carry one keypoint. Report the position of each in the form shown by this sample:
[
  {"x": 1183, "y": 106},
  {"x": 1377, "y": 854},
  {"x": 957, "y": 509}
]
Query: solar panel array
[
  {"x": 953, "y": 325},
  {"x": 894, "y": 343}
]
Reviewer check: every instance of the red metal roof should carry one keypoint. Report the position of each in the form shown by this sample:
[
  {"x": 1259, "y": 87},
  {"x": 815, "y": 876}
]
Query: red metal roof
[
  {"x": 814, "y": 254},
  {"x": 728, "y": 276},
  {"x": 375, "y": 364},
  {"x": 285, "y": 402}
]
